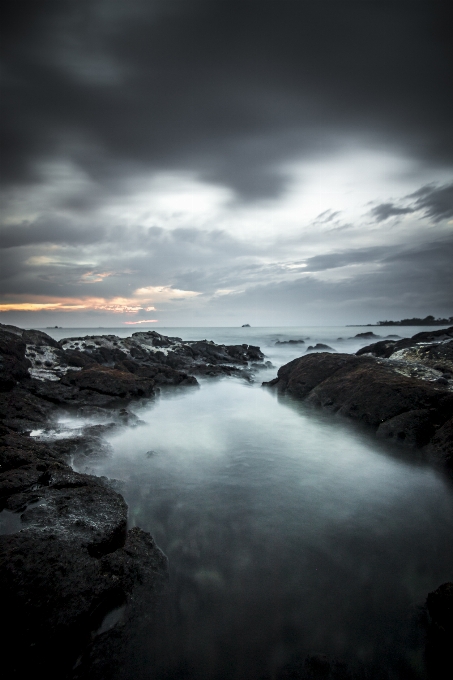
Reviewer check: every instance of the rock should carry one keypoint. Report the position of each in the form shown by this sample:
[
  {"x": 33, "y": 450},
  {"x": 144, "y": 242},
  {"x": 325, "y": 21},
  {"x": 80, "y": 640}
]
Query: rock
[
  {"x": 13, "y": 364},
  {"x": 71, "y": 562},
  {"x": 245, "y": 325},
  {"x": 406, "y": 410},
  {"x": 440, "y": 448},
  {"x": 439, "y": 649},
  {"x": 110, "y": 381},
  {"x": 147, "y": 349},
  {"x": 366, "y": 335},
  {"x": 21, "y": 410},
  {"x": 385, "y": 348},
  {"x": 320, "y": 347},
  {"x": 290, "y": 342},
  {"x": 412, "y": 428}
]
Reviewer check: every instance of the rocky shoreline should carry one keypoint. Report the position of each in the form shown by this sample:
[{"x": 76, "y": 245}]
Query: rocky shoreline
[
  {"x": 72, "y": 574},
  {"x": 401, "y": 389},
  {"x": 69, "y": 568}
]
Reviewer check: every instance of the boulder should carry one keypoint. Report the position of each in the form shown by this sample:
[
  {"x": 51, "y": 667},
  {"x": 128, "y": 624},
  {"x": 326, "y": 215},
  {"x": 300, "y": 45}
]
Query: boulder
[
  {"x": 320, "y": 347},
  {"x": 69, "y": 565},
  {"x": 405, "y": 410}
]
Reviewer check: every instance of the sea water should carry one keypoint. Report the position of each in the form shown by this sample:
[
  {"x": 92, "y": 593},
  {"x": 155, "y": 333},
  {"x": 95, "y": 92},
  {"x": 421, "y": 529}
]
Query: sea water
[{"x": 289, "y": 532}]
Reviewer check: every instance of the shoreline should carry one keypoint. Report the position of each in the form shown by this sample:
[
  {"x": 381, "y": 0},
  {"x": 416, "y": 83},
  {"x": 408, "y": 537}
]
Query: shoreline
[
  {"x": 75, "y": 522},
  {"x": 400, "y": 389},
  {"x": 70, "y": 563}
]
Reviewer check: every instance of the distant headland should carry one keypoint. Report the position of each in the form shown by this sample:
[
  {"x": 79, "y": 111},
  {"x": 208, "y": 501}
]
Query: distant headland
[{"x": 415, "y": 321}]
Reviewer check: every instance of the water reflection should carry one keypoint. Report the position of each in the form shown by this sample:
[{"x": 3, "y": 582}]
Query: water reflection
[{"x": 287, "y": 533}]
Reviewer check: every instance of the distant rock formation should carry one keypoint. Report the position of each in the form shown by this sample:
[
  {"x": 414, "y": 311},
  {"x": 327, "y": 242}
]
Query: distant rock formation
[
  {"x": 367, "y": 334},
  {"x": 320, "y": 347},
  {"x": 290, "y": 342}
]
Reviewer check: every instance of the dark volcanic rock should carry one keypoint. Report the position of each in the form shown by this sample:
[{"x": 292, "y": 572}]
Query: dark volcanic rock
[
  {"x": 374, "y": 393},
  {"x": 145, "y": 350},
  {"x": 385, "y": 348},
  {"x": 110, "y": 381},
  {"x": 290, "y": 342},
  {"x": 20, "y": 409},
  {"x": 320, "y": 347},
  {"x": 412, "y": 428},
  {"x": 440, "y": 448},
  {"x": 403, "y": 409},
  {"x": 13, "y": 364},
  {"x": 72, "y": 561},
  {"x": 439, "y": 648},
  {"x": 366, "y": 334}
]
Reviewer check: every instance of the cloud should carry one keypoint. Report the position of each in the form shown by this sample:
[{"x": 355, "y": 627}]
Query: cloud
[
  {"x": 437, "y": 202},
  {"x": 346, "y": 258},
  {"x": 219, "y": 89},
  {"x": 385, "y": 210}
]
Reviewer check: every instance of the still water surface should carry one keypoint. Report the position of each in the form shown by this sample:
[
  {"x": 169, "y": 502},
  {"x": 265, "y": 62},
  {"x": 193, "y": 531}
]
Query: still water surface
[{"x": 288, "y": 532}]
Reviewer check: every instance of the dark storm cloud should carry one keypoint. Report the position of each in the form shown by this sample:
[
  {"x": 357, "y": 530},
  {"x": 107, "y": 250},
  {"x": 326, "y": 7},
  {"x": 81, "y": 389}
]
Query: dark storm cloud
[
  {"x": 385, "y": 210},
  {"x": 228, "y": 89},
  {"x": 437, "y": 202},
  {"x": 50, "y": 229}
]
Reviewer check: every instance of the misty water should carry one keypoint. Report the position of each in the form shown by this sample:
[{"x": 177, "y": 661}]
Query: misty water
[{"x": 288, "y": 531}]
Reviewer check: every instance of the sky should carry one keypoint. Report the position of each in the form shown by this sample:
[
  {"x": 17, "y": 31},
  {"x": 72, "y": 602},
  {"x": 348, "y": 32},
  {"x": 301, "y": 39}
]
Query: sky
[{"x": 214, "y": 163}]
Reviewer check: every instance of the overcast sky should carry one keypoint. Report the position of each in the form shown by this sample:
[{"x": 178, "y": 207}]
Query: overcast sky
[{"x": 222, "y": 162}]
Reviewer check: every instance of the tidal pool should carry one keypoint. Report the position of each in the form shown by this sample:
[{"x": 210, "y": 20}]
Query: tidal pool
[{"x": 288, "y": 532}]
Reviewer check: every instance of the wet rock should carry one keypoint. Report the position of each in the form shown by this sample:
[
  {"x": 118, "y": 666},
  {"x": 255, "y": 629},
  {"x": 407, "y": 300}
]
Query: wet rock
[
  {"x": 110, "y": 381},
  {"x": 320, "y": 347},
  {"x": 13, "y": 364},
  {"x": 406, "y": 410},
  {"x": 21, "y": 410},
  {"x": 290, "y": 342},
  {"x": 300, "y": 376},
  {"x": 385, "y": 348},
  {"x": 366, "y": 334},
  {"x": 146, "y": 349},
  {"x": 412, "y": 428},
  {"x": 440, "y": 448},
  {"x": 58, "y": 591},
  {"x": 70, "y": 563},
  {"x": 439, "y": 649}
]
